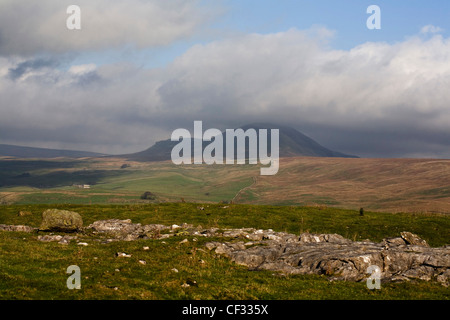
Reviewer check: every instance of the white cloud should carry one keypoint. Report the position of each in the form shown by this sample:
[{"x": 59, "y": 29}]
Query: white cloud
[
  {"x": 290, "y": 72},
  {"x": 29, "y": 27},
  {"x": 430, "y": 29},
  {"x": 82, "y": 69}
]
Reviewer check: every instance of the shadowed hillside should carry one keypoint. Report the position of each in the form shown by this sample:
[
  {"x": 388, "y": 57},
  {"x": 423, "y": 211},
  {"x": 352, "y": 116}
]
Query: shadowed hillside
[
  {"x": 42, "y": 153},
  {"x": 292, "y": 144}
]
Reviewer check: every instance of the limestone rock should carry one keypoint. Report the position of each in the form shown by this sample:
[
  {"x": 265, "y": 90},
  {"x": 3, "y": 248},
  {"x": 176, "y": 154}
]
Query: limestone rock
[
  {"x": 402, "y": 258},
  {"x": 17, "y": 228},
  {"x": 123, "y": 255},
  {"x": 184, "y": 241},
  {"x": 397, "y": 241},
  {"x": 56, "y": 238},
  {"x": 411, "y": 238},
  {"x": 61, "y": 220},
  {"x": 126, "y": 230}
]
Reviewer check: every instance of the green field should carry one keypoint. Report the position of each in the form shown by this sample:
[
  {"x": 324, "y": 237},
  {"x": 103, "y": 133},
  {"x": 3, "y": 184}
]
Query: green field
[
  {"x": 33, "y": 182},
  {"x": 384, "y": 185},
  {"x": 34, "y": 270}
]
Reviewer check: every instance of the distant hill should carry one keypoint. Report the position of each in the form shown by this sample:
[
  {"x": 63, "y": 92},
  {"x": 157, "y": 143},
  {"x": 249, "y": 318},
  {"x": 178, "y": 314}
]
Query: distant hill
[
  {"x": 292, "y": 144},
  {"x": 42, "y": 153}
]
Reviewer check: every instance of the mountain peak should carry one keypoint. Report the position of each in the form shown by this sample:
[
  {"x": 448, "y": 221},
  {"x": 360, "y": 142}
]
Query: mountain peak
[{"x": 292, "y": 144}]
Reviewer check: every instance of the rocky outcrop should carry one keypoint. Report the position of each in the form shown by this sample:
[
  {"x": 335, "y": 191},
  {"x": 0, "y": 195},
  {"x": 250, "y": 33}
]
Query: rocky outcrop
[
  {"x": 337, "y": 257},
  {"x": 125, "y": 230},
  {"x": 398, "y": 259},
  {"x": 401, "y": 258}
]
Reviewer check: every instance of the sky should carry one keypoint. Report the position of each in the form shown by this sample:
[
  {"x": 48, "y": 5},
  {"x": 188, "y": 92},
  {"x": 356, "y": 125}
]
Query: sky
[{"x": 139, "y": 69}]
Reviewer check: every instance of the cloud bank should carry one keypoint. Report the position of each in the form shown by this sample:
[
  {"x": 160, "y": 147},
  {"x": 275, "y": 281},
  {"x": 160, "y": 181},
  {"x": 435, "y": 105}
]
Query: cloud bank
[
  {"x": 377, "y": 99},
  {"x": 30, "y": 27}
]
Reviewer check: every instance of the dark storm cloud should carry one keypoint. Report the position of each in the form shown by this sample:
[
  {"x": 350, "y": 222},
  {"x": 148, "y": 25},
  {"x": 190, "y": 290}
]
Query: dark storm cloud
[{"x": 383, "y": 142}]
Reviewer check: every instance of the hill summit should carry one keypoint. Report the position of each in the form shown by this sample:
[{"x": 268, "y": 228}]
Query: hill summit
[{"x": 292, "y": 144}]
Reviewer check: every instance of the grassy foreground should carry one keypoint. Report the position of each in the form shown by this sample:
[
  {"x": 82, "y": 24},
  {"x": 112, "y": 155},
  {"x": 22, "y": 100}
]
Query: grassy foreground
[{"x": 30, "y": 269}]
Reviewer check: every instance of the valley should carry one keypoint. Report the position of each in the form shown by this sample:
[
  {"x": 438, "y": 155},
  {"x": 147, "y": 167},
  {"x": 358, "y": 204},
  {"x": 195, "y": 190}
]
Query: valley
[{"x": 389, "y": 185}]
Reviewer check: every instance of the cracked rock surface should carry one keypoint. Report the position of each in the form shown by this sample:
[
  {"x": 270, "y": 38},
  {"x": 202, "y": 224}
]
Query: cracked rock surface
[
  {"x": 337, "y": 257},
  {"x": 402, "y": 258}
]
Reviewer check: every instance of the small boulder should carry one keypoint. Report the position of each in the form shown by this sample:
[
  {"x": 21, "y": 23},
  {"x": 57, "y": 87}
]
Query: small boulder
[
  {"x": 413, "y": 239},
  {"x": 61, "y": 220},
  {"x": 123, "y": 255},
  {"x": 184, "y": 241}
]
